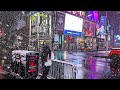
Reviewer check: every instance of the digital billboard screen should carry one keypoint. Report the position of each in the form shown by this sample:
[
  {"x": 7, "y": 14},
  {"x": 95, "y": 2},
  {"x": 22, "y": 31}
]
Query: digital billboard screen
[
  {"x": 89, "y": 28},
  {"x": 93, "y": 15},
  {"x": 103, "y": 20},
  {"x": 73, "y": 25},
  {"x": 117, "y": 39},
  {"x": 32, "y": 63},
  {"x": 101, "y": 31}
]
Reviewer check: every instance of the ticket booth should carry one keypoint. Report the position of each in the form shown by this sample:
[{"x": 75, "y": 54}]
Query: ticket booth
[{"x": 25, "y": 63}]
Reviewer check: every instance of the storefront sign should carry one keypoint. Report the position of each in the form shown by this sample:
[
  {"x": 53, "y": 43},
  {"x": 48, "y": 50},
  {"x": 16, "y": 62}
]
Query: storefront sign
[
  {"x": 70, "y": 38},
  {"x": 60, "y": 19},
  {"x": 73, "y": 33}
]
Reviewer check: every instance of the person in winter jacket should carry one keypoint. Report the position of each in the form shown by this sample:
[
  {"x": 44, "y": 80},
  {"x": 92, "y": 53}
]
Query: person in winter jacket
[{"x": 44, "y": 57}]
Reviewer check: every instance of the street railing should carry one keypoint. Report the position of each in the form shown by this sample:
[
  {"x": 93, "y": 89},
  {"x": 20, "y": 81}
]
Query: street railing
[{"x": 61, "y": 70}]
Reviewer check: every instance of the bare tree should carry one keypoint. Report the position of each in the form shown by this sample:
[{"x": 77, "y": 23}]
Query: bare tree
[{"x": 8, "y": 23}]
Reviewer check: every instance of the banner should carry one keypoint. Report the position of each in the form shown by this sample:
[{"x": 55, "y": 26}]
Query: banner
[{"x": 60, "y": 19}]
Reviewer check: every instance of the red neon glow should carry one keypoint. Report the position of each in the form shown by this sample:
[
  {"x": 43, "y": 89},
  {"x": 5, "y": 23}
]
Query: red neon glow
[
  {"x": 32, "y": 70},
  {"x": 31, "y": 63}
]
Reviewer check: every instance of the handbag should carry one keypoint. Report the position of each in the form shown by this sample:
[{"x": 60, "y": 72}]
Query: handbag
[
  {"x": 49, "y": 61},
  {"x": 52, "y": 56}
]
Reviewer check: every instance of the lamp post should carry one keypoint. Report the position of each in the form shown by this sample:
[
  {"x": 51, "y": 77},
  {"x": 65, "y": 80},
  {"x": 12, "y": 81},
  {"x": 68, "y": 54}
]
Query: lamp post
[{"x": 106, "y": 33}]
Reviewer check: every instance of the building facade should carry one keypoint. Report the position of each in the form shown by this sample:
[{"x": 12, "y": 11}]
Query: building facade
[{"x": 41, "y": 29}]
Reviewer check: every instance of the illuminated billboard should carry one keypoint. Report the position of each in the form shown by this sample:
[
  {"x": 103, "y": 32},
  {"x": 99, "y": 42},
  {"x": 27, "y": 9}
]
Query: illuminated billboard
[
  {"x": 93, "y": 15},
  {"x": 101, "y": 31},
  {"x": 89, "y": 28},
  {"x": 103, "y": 20},
  {"x": 117, "y": 39},
  {"x": 73, "y": 25}
]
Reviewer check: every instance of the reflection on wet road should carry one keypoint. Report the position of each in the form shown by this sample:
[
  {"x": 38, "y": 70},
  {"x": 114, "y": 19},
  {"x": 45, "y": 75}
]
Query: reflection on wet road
[{"x": 88, "y": 67}]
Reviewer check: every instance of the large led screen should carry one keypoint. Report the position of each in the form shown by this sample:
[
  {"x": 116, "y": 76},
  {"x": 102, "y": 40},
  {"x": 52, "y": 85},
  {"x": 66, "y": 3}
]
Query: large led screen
[
  {"x": 117, "y": 39},
  {"x": 89, "y": 28},
  {"x": 93, "y": 15},
  {"x": 101, "y": 31},
  {"x": 73, "y": 25}
]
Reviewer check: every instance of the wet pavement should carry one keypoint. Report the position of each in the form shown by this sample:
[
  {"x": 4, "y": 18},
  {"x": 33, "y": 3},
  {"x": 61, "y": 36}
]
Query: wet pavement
[{"x": 88, "y": 66}]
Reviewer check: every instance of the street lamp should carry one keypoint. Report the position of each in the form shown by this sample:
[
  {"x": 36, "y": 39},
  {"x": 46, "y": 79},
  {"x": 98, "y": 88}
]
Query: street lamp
[{"x": 106, "y": 33}]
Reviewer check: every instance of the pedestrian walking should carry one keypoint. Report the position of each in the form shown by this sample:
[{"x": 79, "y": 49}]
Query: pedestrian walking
[{"x": 46, "y": 61}]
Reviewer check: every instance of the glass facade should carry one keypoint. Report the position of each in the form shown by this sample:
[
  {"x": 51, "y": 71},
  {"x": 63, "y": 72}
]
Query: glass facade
[{"x": 40, "y": 30}]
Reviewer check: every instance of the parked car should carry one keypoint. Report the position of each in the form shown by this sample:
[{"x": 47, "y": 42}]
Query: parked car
[{"x": 114, "y": 53}]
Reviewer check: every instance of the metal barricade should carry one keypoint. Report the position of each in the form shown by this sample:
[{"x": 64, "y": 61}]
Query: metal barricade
[{"x": 62, "y": 70}]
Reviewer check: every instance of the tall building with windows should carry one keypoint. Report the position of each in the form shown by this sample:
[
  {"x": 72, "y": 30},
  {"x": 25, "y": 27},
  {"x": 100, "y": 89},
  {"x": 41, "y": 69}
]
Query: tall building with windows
[{"x": 41, "y": 29}]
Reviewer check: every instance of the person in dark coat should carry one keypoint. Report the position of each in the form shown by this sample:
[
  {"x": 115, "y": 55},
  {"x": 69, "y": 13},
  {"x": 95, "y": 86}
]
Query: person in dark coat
[{"x": 44, "y": 57}]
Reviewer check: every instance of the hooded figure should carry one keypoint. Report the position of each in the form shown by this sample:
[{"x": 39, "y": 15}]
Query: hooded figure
[{"x": 44, "y": 57}]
